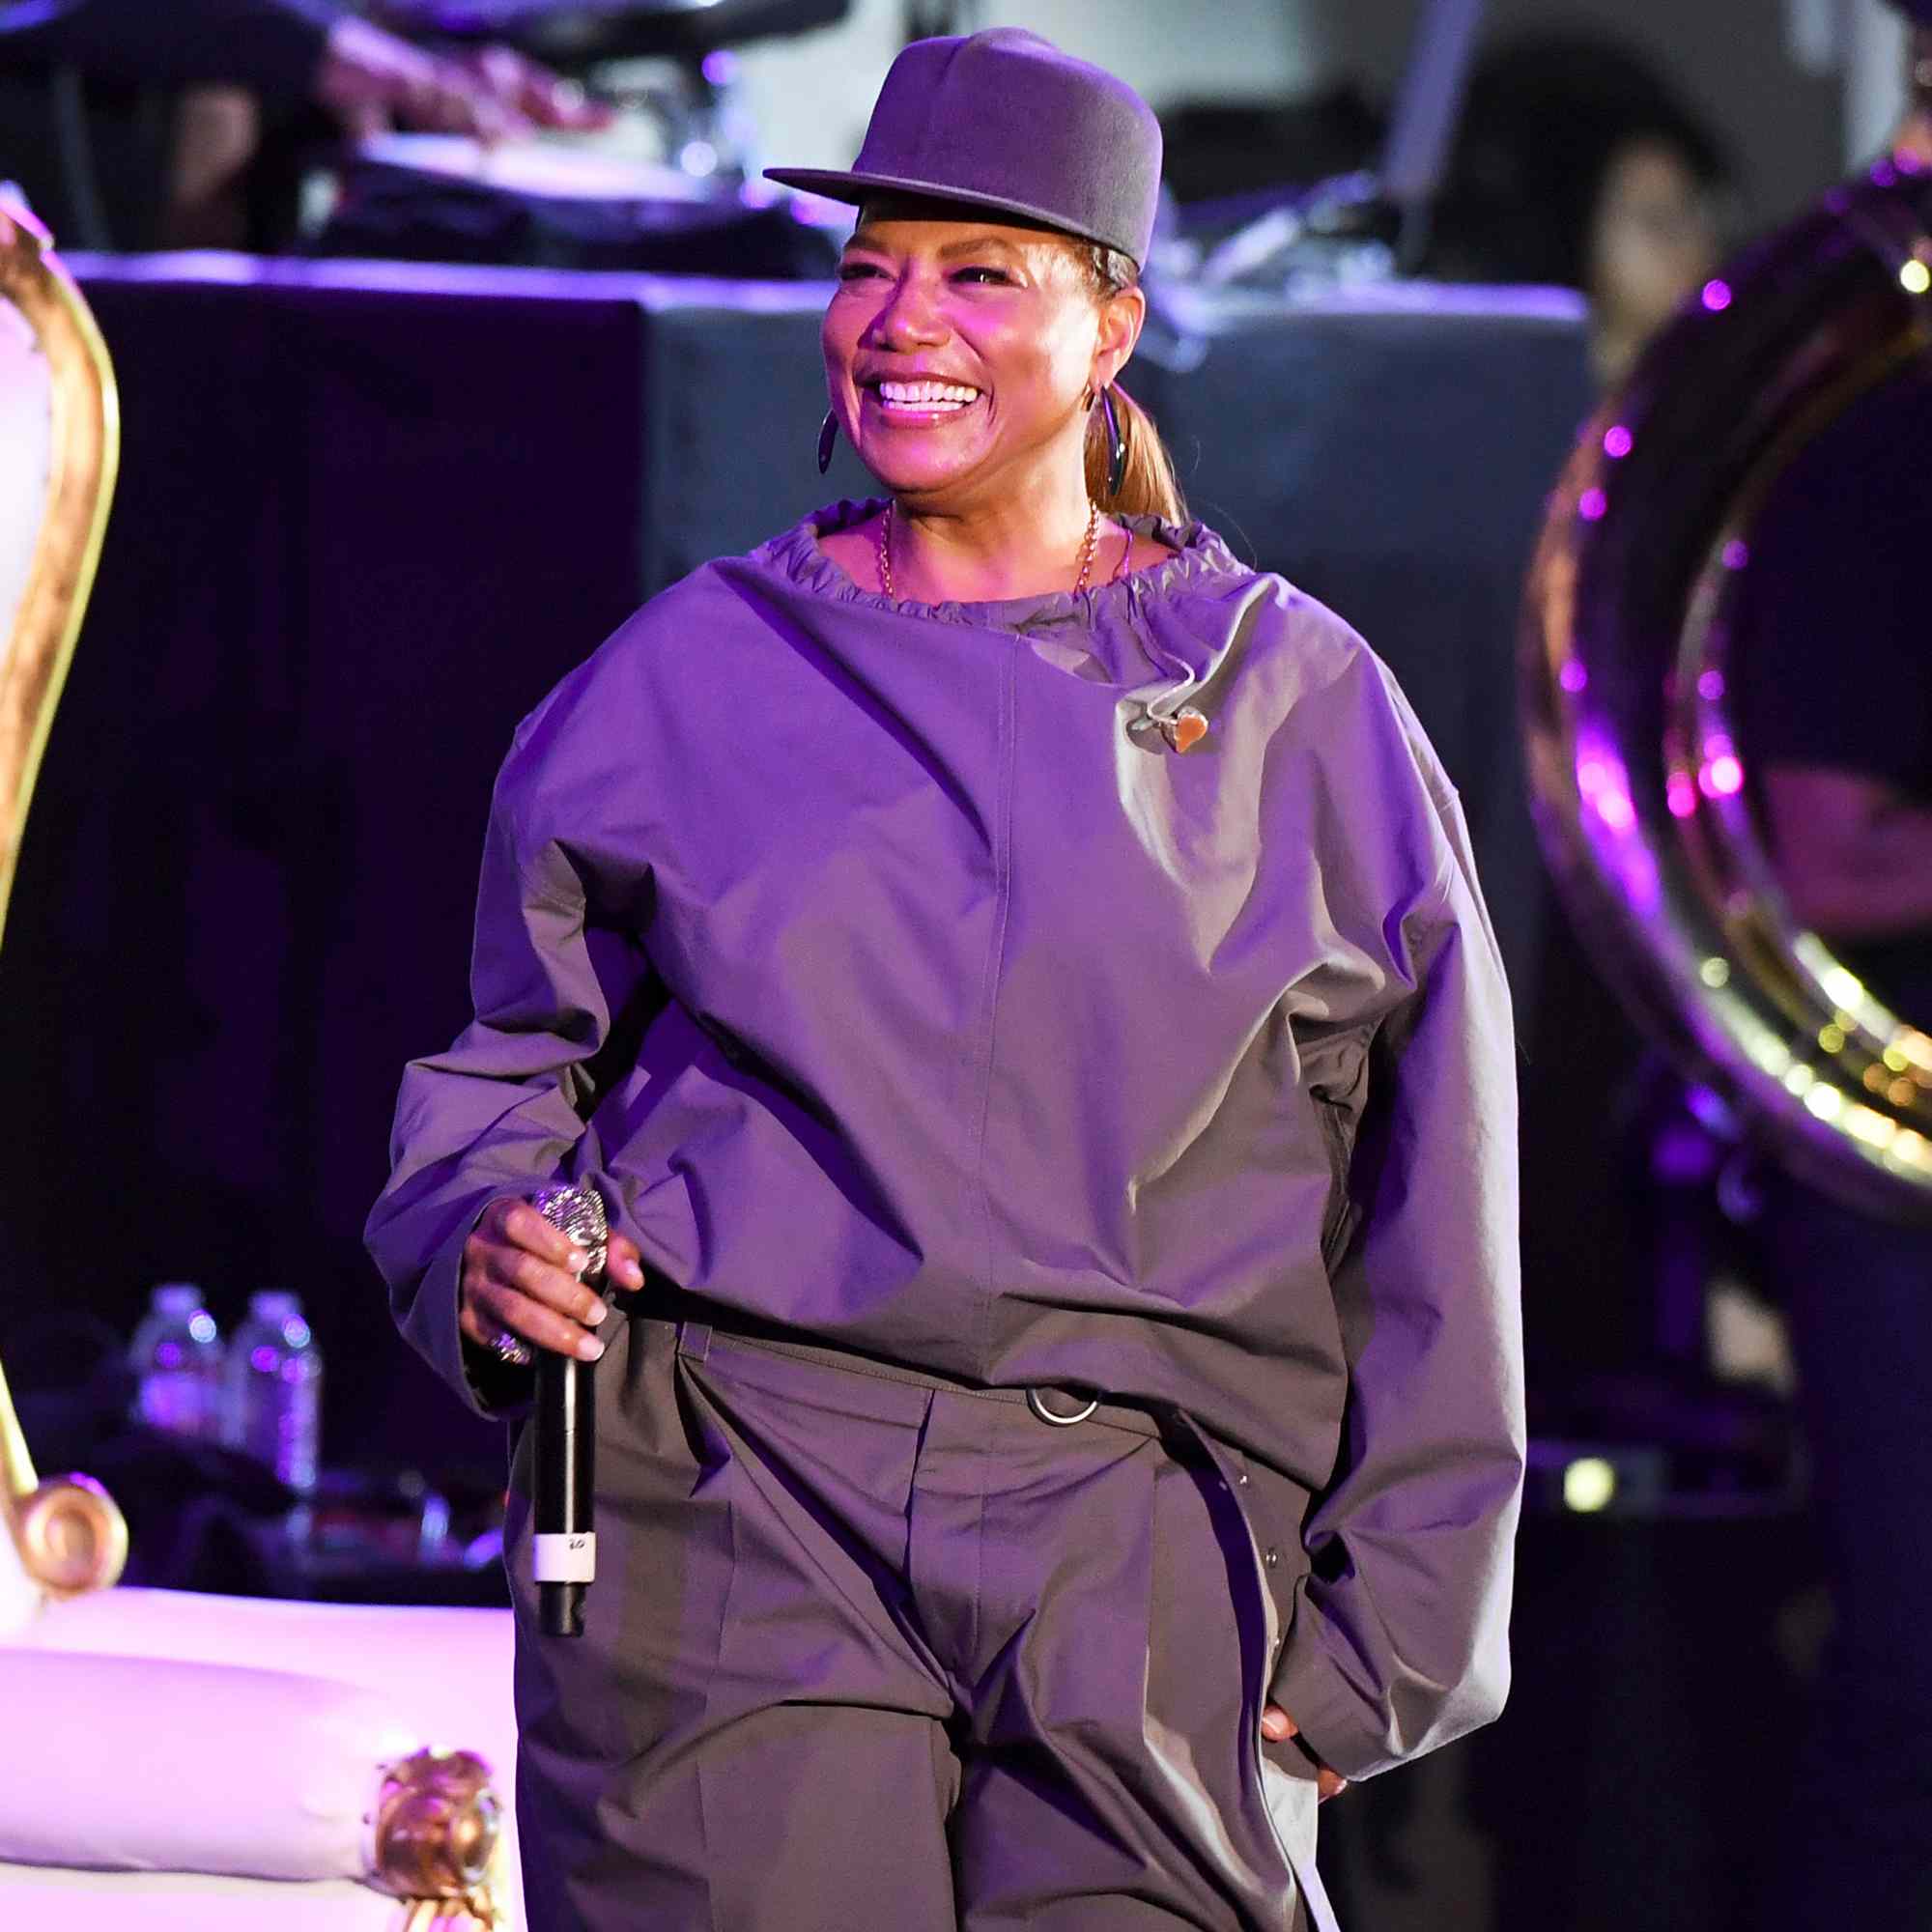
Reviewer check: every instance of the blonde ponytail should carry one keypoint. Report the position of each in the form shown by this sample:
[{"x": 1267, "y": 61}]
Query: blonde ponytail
[{"x": 1148, "y": 486}]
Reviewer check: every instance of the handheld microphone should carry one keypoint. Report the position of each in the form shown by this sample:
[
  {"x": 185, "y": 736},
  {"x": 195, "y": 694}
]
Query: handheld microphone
[{"x": 565, "y": 1557}]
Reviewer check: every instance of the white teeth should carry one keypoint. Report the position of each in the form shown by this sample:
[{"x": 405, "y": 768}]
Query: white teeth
[{"x": 929, "y": 395}]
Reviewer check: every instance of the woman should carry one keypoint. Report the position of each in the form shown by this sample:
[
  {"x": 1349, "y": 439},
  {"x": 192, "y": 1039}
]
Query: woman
[
  {"x": 1577, "y": 164},
  {"x": 1015, "y": 975}
]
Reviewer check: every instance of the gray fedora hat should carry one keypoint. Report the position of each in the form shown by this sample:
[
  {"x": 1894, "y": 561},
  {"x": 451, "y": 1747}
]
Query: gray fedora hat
[{"x": 1004, "y": 120}]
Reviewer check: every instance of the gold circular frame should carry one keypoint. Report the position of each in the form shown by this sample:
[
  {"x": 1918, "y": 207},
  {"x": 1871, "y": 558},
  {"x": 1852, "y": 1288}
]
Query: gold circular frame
[{"x": 1638, "y": 776}]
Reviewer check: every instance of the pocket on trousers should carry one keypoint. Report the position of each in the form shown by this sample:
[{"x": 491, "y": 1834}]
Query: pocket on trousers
[
  {"x": 1208, "y": 1665},
  {"x": 1278, "y": 1780}
]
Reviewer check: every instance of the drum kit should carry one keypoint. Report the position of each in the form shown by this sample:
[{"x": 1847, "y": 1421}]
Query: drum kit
[{"x": 661, "y": 189}]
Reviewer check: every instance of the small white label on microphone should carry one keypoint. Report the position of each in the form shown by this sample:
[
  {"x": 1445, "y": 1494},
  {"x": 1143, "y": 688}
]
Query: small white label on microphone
[{"x": 565, "y": 1559}]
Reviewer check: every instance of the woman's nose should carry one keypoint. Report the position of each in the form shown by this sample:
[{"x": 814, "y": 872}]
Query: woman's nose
[{"x": 911, "y": 317}]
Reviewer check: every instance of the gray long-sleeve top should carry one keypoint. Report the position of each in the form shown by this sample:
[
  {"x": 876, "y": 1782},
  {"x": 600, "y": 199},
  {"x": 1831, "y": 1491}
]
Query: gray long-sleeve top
[{"x": 901, "y": 985}]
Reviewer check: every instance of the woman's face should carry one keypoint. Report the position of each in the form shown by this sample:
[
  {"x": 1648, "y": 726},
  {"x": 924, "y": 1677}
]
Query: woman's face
[
  {"x": 1655, "y": 238},
  {"x": 959, "y": 350}
]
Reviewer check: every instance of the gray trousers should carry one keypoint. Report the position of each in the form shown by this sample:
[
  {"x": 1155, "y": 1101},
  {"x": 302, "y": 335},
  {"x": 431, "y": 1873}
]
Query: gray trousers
[{"x": 870, "y": 1651}]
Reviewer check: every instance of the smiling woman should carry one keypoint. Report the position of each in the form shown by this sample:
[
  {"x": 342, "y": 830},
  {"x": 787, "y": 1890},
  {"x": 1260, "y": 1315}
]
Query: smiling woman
[
  {"x": 974, "y": 364},
  {"x": 1024, "y": 1145},
  {"x": 964, "y": 358}
]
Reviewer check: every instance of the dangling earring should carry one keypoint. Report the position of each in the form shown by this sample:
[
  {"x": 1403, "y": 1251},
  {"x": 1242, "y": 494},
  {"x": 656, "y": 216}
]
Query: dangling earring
[
  {"x": 828, "y": 435},
  {"x": 1117, "y": 444}
]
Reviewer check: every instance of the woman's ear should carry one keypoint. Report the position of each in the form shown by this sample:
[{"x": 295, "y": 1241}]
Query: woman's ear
[{"x": 1122, "y": 315}]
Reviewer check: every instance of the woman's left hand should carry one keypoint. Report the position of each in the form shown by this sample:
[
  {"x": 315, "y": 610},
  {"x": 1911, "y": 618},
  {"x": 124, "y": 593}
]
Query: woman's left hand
[{"x": 1277, "y": 1726}]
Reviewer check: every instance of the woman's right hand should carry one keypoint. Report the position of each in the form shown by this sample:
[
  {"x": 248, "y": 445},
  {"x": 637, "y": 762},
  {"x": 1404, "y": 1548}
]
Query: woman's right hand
[{"x": 522, "y": 1276}]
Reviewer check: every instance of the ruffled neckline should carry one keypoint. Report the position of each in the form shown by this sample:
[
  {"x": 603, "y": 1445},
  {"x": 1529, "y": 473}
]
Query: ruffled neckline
[{"x": 1199, "y": 555}]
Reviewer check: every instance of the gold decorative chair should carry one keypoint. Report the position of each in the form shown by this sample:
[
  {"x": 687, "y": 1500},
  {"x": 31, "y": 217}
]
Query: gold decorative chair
[
  {"x": 60, "y": 427},
  {"x": 170, "y": 1761}
]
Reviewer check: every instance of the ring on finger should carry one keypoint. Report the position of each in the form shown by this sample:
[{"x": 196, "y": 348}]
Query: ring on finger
[{"x": 511, "y": 1350}]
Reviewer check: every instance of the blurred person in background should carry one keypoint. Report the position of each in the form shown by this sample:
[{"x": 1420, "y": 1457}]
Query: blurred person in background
[
  {"x": 1574, "y": 165},
  {"x": 1835, "y": 708},
  {"x": 132, "y": 124},
  {"x": 1578, "y": 165}
]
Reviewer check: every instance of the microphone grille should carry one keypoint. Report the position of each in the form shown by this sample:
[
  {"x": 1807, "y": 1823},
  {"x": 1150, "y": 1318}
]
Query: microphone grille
[{"x": 579, "y": 1212}]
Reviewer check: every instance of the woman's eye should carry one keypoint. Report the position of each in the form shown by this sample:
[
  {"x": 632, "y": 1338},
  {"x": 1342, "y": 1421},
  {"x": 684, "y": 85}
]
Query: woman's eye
[
  {"x": 851, "y": 272},
  {"x": 982, "y": 274}
]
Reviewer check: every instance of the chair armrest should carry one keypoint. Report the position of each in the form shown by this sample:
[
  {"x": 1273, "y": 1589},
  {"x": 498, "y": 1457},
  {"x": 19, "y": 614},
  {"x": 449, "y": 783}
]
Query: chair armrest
[{"x": 138, "y": 1764}]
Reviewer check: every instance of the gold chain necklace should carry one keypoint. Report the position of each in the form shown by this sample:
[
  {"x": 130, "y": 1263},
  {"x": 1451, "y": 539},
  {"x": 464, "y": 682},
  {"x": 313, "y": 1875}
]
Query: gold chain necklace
[{"x": 1087, "y": 547}]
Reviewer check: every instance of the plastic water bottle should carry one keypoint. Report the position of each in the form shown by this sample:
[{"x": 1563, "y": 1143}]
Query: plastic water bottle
[
  {"x": 272, "y": 1401},
  {"x": 177, "y": 1362}
]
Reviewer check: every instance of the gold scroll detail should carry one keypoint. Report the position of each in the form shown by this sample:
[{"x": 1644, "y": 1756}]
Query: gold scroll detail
[
  {"x": 437, "y": 1826},
  {"x": 71, "y": 1535}
]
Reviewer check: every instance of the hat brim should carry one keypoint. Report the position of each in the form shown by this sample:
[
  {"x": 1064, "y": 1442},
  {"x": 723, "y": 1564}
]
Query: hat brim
[{"x": 838, "y": 185}]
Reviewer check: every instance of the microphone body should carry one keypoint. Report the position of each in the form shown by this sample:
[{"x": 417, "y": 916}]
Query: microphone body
[
  {"x": 564, "y": 1552},
  {"x": 565, "y": 1548}
]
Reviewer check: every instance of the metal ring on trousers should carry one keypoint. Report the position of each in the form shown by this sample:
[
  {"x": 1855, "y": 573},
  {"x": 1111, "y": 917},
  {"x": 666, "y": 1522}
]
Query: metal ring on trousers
[{"x": 1045, "y": 1414}]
